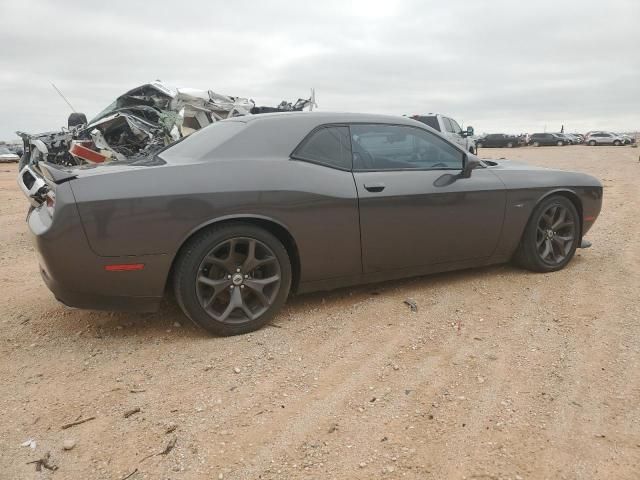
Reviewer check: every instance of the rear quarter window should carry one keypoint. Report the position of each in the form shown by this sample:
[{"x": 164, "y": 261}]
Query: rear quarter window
[
  {"x": 328, "y": 146},
  {"x": 429, "y": 120}
]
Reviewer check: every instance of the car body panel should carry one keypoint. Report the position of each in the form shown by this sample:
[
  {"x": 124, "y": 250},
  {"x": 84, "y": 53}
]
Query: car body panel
[
  {"x": 428, "y": 217},
  {"x": 118, "y": 224},
  {"x": 143, "y": 212}
]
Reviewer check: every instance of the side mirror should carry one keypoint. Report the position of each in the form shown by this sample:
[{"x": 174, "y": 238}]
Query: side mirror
[
  {"x": 469, "y": 131},
  {"x": 469, "y": 164}
]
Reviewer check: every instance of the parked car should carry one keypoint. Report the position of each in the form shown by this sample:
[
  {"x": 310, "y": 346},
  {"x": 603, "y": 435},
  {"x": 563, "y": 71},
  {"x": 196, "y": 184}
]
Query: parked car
[
  {"x": 569, "y": 139},
  {"x": 7, "y": 155},
  {"x": 498, "y": 140},
  {"x": 247, "y": 210},
  {"x": 603, "y": 138},
  {"x": 449, "y": 128},
  {"x": 626, "y": 139},
  {"x": 545, "y": 139},
  {"x": 579, "y": 137}
]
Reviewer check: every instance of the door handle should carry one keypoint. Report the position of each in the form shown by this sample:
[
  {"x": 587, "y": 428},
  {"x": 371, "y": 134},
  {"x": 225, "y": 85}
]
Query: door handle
[{"x": 374, "y": 187}]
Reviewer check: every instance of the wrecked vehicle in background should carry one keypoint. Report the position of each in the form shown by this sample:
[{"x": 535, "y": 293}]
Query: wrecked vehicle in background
[{"x": 139, "y": 123}]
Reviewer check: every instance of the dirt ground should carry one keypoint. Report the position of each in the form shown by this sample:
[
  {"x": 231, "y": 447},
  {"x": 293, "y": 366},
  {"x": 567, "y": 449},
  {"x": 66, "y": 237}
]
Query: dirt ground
[{"x": 501, "y": 374}]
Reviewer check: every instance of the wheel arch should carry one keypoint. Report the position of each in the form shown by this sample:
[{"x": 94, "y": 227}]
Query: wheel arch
[
  {"x": 570, "y": 195},
  {"x": 277, "y": 229}
]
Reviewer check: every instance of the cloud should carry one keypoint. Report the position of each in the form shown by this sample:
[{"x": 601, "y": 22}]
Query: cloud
[{"x": 498, "y": 65}]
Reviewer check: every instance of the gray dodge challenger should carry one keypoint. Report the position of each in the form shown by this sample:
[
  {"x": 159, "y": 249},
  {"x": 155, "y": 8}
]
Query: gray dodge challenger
[{"x": 244, "y": 212}]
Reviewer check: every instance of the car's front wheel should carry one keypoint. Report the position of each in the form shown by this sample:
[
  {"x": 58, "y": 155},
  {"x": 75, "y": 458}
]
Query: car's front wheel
[
  {"x": 510, "y": 145},
  {"x": 592, "y": 143},
  {"x": 232, "y": 279},
  {"x": 617, "y": 143},
  {"x": 551, "y": 236}
]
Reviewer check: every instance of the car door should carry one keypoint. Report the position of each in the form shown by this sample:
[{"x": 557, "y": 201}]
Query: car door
[
  {"x": 447, "y": 129},
  {"x": 457, "y": 134},
  {"x": 606, "y": 138},
  {"x": 415, "y": 208}
]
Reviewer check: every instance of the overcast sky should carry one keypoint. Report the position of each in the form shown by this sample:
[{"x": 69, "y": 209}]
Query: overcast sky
[{"x": 501, "y": 66}]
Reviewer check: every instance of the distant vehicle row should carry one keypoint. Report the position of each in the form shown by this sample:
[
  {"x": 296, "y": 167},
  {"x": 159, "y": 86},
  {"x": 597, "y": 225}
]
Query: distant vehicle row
[{"x": 545, "y": 139}]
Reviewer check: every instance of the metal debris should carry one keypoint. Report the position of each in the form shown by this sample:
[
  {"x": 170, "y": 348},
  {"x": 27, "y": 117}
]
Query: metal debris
[
  {"x": 412, "y": 304},
  {"x": 141, "y": 122}
]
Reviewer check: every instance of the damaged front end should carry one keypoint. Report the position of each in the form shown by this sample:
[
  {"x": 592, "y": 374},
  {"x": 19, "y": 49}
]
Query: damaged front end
[{"x": 140, "y": 123}]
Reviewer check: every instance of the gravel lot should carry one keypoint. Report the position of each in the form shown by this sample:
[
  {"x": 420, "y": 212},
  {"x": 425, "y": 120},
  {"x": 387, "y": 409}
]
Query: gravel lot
[{"x": 500, "y": 374}]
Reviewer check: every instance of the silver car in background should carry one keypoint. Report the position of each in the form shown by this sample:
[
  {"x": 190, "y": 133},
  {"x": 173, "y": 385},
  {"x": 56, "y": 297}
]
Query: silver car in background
[
  {"x": 603, "y": 138},
  {"x": 7, "y": 155}
]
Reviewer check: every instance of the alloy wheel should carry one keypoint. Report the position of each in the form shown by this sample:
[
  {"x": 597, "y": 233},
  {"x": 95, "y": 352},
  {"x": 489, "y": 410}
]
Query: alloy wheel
[
  {"x": 555, "y": 234},
  {"x": 238, "y": 280}
]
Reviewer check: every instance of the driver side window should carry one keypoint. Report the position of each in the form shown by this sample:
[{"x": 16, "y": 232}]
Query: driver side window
[
  {"x": 455, "y": 126},
  {"x": 397, "y": 147}
]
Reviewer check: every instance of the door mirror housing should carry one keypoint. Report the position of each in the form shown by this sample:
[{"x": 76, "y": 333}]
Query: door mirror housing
[
  {"x": 470, "y": 164},
  {"x": 469, "y": 131}
]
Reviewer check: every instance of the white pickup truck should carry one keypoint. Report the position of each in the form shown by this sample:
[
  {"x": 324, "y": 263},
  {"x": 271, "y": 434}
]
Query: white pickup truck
[{"x": 448, "y": 127}]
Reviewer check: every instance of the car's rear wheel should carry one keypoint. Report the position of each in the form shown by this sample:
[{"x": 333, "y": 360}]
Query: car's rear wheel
[
  {"x": 617, "y": 143},
  {"x": 592, "y": 143},
  {"x": 510, "y": 145},
  {"x": 232, "y": 279},
  {"x": 536, "y": 144},
  {"x": 560, "y": 143},
  {"x": 551, "y": 236}
]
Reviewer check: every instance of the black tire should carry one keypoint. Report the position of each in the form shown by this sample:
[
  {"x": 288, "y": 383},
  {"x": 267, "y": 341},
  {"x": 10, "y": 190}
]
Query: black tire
[
  {"x": 472, "y": 151},
  {"x": 592, "y": 143},
  {"x": 617, "y": 143},
  {"x": 510, "y": 145},
  {"x": 536, "y": 144},
  {"x": 189, "y": 271},
  {"x": 560, "y": 143},
  {"x": 534, "y": 239}
]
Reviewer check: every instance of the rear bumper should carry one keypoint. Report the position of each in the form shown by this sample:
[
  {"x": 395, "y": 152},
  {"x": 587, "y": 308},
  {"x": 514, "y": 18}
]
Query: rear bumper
[
  {"x": 92, "y": 301},
  {"x": 77, "y": 276}
]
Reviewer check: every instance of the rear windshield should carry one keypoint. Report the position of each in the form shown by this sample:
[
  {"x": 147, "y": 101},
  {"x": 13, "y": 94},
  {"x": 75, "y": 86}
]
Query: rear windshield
[
  {"x": 200, "y": 144},
  {"x": 430, "y": 120}
]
